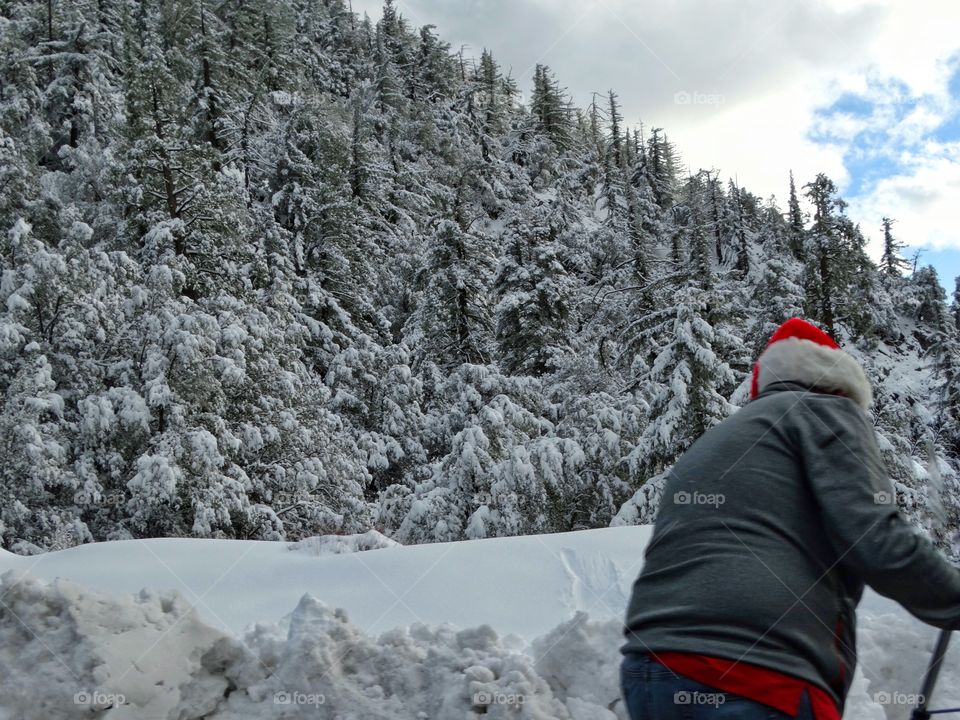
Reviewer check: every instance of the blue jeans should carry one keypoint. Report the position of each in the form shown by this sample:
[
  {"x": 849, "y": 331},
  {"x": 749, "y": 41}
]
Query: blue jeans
[{"x": 654, "y": 692}]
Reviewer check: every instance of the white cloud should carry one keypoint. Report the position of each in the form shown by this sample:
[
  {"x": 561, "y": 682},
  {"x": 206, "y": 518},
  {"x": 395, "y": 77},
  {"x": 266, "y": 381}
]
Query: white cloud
[{"x": 923, "y": 200}]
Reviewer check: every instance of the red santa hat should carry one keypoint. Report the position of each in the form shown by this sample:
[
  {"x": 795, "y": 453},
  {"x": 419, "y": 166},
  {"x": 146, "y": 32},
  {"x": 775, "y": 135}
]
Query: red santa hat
[{"x": 803, "y": 353}]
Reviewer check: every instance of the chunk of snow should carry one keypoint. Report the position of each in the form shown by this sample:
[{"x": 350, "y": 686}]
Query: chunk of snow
[{"x": 338, "y": 544}]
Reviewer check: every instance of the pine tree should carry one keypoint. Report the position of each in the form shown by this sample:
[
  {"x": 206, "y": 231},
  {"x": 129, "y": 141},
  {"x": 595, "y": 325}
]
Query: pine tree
[
  {"x": 491, "y": 478},
  {"x": 718, "y": 214},
  {"x": 534, "y": 291},
  {"x": 432, "y": 76},
  {"x": 549, "y": 106},
  {"x": 862, "y": 305},
  {"x": 36, "y": 482},
  {"x": 701, "y": 253},
  {"x": 948, "y": 415},
  {"x": 684, "y": 377},
  {"x": 642, "y": 229},
  {"x": 941, "y": 342},
  {"x": 955, "y": 305},
  {"x": 616, "y": 142},
  {"x": 929, "y": 307},
  {"x": 660, "y": 166},
  {"x": 779, "y": 293},
  {"x": 795, "y": 223},
  {"x": 455, "y": 318},
  {"x": 891, "y": 261},
  {"x": 822, "y": 249},
  {"x": 743, "y": 235},
  {"x": 613, "y": 178},
  {"x": 495, "y": 96}
]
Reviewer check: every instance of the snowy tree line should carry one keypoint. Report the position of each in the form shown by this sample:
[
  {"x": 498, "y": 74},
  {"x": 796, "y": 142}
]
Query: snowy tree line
[{"x": 272, "y": 270}]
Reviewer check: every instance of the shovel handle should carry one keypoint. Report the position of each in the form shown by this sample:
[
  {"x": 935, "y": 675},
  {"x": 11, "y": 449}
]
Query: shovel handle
[{"x": 930, "y": 679}]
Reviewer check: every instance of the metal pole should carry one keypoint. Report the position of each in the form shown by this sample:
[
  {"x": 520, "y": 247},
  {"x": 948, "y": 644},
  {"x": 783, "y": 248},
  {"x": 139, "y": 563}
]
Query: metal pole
[{"x": 930, "y": 679}]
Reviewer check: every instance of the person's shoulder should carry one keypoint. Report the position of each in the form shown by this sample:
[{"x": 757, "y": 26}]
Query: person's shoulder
[
  {"x": 831, "y": 409},
  {"x": 799, "y": 401},
  {"x": 828, "y": 401}
]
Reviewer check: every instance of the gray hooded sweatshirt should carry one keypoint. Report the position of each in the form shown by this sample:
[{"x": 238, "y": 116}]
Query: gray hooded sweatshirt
[{"x": 769, "y": 527}]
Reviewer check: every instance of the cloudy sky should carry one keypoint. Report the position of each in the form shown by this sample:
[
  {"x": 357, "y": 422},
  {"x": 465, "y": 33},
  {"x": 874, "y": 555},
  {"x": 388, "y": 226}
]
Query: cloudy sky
[{"x": 867, "y": 91}]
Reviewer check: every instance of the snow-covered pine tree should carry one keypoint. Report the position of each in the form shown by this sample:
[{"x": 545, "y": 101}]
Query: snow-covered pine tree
[
  {"x": 891, "y": 262},
  {"x": 684, "y": 402},
  {"x": 661, "y": 167},
  {"x": 454, "y": 318},
  {"x": 778, "y": 293},
  {"x": 534, "y": 291},
  {"x": 955, "y": 305},
  {"x": 795, "y": 223},
  {"x": 823, "y": 253},
  {"x": 548, "y": 104}
]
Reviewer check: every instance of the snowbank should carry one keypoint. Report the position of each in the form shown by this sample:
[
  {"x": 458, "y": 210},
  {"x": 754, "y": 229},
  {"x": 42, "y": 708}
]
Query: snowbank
[
  {"x": 511, "y": 627},
  {"x": 524, "y": 586}
]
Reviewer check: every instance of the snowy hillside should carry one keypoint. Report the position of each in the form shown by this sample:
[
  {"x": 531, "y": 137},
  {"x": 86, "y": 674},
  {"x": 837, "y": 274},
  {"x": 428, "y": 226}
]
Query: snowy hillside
[
  {"x": 507, "y": 627},
  {"x": 273, "y": 270}
]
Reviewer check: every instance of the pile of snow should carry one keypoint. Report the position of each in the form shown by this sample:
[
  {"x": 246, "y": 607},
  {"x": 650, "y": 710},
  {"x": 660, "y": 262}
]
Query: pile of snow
[
  {"x": 511, "y": 627},
  {"x": 339, "y": 544},
  {"x": 66, "y": 652}
]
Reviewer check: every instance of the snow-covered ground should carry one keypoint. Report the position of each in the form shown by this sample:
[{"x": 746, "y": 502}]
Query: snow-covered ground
[{"x": 507, "y": 627}]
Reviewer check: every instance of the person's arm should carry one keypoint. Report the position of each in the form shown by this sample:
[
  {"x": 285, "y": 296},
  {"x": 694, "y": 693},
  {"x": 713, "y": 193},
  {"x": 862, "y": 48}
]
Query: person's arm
[{"x": 871, "y": 538}]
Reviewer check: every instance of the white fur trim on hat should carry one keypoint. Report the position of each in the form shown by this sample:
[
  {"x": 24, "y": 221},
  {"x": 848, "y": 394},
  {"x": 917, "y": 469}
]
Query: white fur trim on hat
[{"x": 814, "y": 365}]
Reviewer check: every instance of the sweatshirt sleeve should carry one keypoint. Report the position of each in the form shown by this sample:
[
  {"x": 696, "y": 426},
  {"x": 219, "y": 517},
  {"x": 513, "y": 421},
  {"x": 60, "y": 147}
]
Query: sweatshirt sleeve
[{"x": 855, "y": 495}]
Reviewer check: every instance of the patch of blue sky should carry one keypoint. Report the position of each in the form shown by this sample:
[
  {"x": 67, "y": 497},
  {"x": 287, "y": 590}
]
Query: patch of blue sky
[
  {"x": 867, "y": 169},
  {"x": 949, "y": 129},
  {"x": 864, "y": 125},
  {"x": 946, "y": 262},
  {"x": 851, "y": 104},
  {"x": 854, "y": 121}
]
